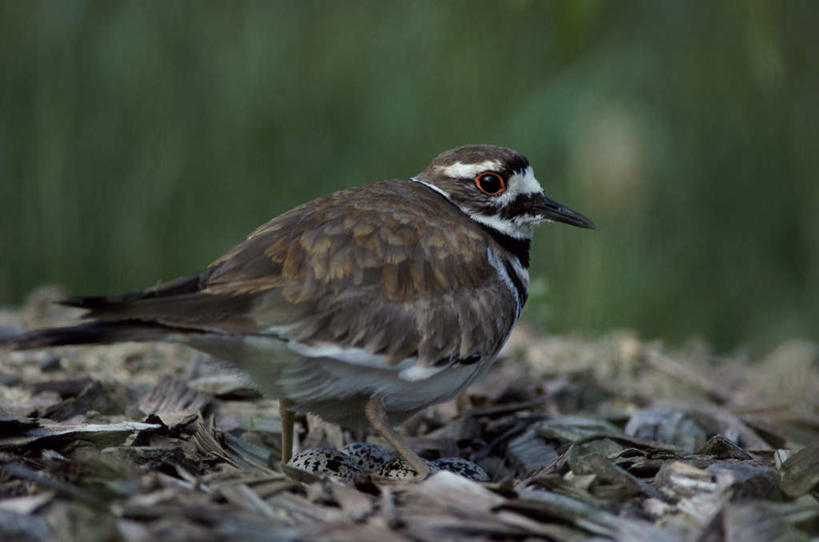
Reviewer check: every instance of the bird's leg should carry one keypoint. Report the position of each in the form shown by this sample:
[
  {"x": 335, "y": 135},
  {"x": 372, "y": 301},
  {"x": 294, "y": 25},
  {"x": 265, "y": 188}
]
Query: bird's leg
[
  {"x": 377, "y": 416},
  {"x": 287, "y": 418}
]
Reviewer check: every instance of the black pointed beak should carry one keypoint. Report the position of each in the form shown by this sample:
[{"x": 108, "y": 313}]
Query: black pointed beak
[{"x": 552, "y": 210}]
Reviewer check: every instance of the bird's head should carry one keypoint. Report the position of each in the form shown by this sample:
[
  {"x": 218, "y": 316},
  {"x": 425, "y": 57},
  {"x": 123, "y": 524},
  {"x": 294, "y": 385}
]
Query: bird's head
[{"x": 496, "y": 187}]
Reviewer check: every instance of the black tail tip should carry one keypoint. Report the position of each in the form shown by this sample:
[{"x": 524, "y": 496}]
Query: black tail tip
[
  {"x": 93, "y": 302},
  {"x": 97, "y": 332},
  {"x": 90, "y": 333},
  {"x": 43, "y": 338}
]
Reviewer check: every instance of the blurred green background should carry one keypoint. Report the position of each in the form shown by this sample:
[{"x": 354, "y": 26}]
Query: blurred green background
[{"x": 140, "y": 140}]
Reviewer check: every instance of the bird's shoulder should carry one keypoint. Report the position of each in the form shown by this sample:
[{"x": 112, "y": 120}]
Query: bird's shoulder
[{"x": 397, "y": 234}]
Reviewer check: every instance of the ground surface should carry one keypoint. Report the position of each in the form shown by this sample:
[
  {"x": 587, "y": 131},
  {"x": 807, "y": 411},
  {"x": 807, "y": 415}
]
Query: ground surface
[{"x": 608, "y": 439}]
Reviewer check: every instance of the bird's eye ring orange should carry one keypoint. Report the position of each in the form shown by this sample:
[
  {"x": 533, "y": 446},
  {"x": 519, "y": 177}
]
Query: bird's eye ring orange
[{"x": 490, "y": 183}]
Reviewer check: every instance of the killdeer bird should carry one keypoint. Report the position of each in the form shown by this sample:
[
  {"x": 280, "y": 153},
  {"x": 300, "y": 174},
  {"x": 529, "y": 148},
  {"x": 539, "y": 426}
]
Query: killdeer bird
[{"x": 365, "y": 305}]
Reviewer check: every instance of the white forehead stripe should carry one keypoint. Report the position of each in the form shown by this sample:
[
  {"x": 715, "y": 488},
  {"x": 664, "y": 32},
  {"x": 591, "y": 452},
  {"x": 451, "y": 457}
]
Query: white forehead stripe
[
  {"x": 527, "y": 183},
  {"x": 459, "y": 169}
]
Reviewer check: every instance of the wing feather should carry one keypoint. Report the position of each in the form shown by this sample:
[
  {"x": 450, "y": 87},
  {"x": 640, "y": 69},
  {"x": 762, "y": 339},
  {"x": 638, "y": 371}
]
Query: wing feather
[{"x": 386, "y": 268}]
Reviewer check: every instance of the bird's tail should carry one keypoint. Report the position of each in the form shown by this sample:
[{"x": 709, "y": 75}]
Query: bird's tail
[{"x": 98, "y": 332}]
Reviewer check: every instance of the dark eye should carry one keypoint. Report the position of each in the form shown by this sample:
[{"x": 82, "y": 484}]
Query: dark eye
[{"x": 490, "y": 183}]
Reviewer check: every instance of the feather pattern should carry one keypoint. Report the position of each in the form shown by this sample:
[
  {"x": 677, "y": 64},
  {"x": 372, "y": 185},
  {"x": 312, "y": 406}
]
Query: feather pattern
[{"x": 385, "y": 268}]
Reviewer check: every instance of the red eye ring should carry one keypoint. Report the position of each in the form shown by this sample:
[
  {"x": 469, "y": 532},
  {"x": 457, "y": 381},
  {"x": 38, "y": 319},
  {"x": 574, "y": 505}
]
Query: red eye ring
[{"x": 490, "y": 183}]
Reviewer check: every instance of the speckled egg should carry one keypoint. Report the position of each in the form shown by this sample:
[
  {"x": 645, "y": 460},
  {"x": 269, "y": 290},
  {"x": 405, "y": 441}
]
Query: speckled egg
[
  {"x": 369, "y": 457},
  {"x": 326, "y": 462},
  {"x": 464, "y": 467},
  {"x": 398, "y": 469}
]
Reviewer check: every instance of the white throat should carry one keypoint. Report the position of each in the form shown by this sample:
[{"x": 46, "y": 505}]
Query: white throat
[{"x": 516, "y": 227}]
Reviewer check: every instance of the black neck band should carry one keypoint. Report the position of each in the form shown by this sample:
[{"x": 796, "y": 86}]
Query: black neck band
[{"x": 518, "y": 247}]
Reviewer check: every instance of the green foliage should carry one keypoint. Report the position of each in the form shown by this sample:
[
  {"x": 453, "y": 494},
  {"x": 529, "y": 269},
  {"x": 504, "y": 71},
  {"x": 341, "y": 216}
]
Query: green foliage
[{"x": 139, "y": 140}]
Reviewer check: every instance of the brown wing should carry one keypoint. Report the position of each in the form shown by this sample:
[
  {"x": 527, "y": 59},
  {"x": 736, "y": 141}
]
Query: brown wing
[{"x": 390, "y": 268}]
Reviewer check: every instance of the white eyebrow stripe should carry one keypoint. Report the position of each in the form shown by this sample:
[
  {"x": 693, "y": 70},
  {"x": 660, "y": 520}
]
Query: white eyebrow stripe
[{"x": 461, "y": 170}]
